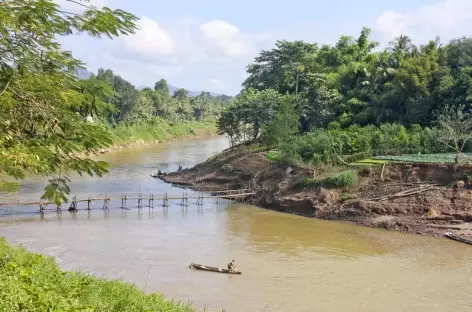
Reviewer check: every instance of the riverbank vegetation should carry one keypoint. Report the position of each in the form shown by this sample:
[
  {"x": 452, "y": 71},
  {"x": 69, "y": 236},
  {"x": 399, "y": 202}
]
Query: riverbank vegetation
[
  {"x": 32, "y": 282},
  {"x": 153, "y": 114},
  {"x": 159, "y": 129},
  {"x": 377, "y": 137},
  {"x": 335, "y": 104},
  {"x": 48, "y": 116}
]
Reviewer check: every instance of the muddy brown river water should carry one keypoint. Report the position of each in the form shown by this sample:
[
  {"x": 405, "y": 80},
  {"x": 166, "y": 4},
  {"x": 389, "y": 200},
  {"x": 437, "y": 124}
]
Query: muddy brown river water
[{"x": 289, "y": 263}]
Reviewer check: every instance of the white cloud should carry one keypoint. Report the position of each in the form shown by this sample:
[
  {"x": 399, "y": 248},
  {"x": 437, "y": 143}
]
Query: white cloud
[
  {"x": 215, "y": 82},
  {"x": 151, "y": 38},
  {"x": 447, "y": 19},
  {"x": 227, "y": 37}
]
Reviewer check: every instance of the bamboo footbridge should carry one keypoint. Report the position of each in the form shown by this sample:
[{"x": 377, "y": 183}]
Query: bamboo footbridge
[{"x": 151, "y": 199}]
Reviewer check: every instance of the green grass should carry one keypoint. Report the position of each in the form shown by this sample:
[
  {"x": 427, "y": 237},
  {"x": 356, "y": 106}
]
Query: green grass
[
  {"x": 446, "y": 158},
  {"x": 32, "y": 282},
  {"x": 369, "y": 162},
  {"x": 344, "y": 179},
  {"x": 161, "y": 130},
  {"x": 274, "y": 156}
]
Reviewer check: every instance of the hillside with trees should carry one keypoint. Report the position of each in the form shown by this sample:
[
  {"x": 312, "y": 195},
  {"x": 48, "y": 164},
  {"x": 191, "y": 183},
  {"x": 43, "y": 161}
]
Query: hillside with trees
[
  {"x": 127, "y": 104},
  {"x": 351, "y": 97}
]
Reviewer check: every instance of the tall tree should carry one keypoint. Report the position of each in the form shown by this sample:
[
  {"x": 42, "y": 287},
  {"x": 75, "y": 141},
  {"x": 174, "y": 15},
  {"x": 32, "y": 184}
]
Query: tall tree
[
  {"x": 161, "y": 86},
  {"x": 43, "y": 107}
]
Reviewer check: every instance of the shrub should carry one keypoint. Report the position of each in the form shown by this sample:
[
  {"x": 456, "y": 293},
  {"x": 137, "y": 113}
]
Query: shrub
[
  {"x": 345, "y": 179},
  {"x": 227, "y": 168},
  {"x": 274, "y": 155}
]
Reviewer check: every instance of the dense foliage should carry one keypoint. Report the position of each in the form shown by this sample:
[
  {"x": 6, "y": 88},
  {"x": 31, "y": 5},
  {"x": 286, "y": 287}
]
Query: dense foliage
[
  {"x": 43, "y": 107},
  {"x": 129, "y": 105},
  {"x": 32, "y": 282},
  {"x": 351, "y": 98},
  {"x": 48, "y": 116},
  {"x": 336, "y": 145}
]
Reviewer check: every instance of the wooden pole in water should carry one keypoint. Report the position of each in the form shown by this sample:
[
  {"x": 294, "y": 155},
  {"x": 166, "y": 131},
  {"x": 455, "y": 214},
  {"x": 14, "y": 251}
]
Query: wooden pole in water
[
  {"x": 89, "y": 204},
  {"x": 140, "y": 200},
  {"x": 151, "y": 199},
  {"x": 105, "y": 202},
  {"x": 165, "y": 201}
]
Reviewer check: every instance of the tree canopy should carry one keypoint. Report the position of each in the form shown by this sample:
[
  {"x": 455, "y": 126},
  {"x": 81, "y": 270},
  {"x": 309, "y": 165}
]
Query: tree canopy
[
  {"x": 354, "y": 83},
  {"x": 50, "y": 120}
]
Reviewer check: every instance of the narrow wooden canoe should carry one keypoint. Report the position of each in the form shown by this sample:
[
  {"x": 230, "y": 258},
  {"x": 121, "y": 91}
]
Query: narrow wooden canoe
[
  {"x": 458, "y": 238},
  {"x": 212, "y": 269}
]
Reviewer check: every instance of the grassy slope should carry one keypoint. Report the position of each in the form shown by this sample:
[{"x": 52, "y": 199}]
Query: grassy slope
[
  {"x": 32, "y": 282},
  {"x": 162, "y": 130}
]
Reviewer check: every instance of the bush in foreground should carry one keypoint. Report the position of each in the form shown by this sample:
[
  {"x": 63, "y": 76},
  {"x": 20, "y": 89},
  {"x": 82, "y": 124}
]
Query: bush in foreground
[{"x": 32, "y": 282}]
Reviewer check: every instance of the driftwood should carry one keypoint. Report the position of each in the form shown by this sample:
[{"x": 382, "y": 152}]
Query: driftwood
[
  {"x": 405, "y": 193},
  {"x": 382, "y": 173},
  {"x": 409, "y": 183}
]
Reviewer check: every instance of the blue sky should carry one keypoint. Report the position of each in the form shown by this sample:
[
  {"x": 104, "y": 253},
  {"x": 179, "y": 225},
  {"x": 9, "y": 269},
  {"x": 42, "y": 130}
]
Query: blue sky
[{"x": 206, "y": 44}]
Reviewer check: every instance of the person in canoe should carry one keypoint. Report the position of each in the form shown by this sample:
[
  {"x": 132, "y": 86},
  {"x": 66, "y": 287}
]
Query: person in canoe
[{"x": 231, "y": 266}]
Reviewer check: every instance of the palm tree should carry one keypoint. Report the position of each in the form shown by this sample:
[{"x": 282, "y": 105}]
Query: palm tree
[{"x": 401, "y": 47}]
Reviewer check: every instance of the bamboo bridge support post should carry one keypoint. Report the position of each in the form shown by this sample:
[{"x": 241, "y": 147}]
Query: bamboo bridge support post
[
  {"x": 151, "y": 200},
  {"x": 165, "y": 201},
  {"x": 124, "y": 200},
  {"x": 140, "y": 201},
  {"x": 182, "y": 200},
  {"x": 106, "y": 202},
  {"x": 200, "y": 197},
  {"x": 89, "y": 204},
  {"x": 41, "y": 208}
]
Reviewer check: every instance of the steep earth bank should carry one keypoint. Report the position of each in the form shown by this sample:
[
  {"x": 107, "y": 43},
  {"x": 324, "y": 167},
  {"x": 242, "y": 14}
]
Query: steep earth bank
[{"x": 416, "y": 198}]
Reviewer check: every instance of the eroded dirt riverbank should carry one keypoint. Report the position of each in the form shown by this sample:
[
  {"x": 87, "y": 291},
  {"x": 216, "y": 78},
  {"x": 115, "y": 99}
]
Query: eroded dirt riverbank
[{"x": 415, "y": 198}]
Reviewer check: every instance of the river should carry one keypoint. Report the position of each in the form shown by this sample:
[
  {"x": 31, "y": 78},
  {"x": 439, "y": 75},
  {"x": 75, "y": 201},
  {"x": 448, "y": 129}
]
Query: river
[{"x": 289, "y": 263}]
